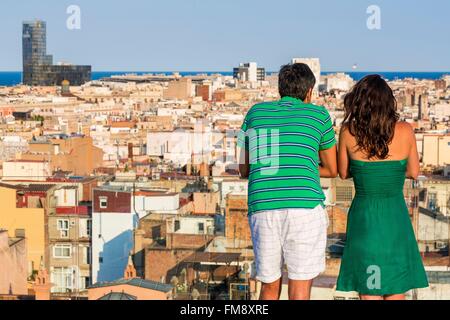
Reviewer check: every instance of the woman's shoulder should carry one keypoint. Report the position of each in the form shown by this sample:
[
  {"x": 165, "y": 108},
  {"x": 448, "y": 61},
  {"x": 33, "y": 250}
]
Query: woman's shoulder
[
  {"x": 345, "y": 131},
  {"x": 345, "y": 136},
  {"x": 404, "y": 129},
  {"x": 403, "y": 125}
]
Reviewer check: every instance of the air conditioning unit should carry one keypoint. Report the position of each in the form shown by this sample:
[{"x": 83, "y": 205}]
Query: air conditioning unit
[{"x": 440, "y": 245}]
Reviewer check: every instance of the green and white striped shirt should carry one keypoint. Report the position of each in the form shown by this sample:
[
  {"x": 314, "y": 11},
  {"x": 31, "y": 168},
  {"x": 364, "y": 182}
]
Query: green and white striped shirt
[{"x": 283, "y": 139}]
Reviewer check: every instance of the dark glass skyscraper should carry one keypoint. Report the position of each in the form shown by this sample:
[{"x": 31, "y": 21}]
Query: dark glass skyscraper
[{"x": 38, "y": 67}]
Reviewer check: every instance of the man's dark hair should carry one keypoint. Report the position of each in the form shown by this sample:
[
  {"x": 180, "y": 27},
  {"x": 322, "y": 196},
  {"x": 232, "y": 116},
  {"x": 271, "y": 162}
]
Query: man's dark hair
[{"x": 295, "y": 80}]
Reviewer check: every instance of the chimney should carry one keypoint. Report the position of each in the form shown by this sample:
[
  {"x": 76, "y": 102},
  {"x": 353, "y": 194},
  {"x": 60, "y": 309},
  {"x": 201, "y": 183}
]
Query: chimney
[
  {"x": 130, "y": 152},
  {"x": 19, "y": 233},
  {"x": 42, "y": 283}
]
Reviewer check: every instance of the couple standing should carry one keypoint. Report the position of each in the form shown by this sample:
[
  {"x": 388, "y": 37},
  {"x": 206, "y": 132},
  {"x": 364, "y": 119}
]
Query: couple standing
[{"x": 287, "y": 145}]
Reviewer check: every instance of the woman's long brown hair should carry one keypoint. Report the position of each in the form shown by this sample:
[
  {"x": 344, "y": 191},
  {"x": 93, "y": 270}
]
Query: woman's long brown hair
[{"x": 371, "y": 115}]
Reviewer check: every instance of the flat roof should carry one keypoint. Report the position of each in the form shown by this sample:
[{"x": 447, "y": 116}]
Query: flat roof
[
  {"x": 28, "y": 187},
  {"x": 213, "y": 257}
]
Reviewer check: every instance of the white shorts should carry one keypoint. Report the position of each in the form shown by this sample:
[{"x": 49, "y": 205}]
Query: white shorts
[{"x": 295, "y": 237}]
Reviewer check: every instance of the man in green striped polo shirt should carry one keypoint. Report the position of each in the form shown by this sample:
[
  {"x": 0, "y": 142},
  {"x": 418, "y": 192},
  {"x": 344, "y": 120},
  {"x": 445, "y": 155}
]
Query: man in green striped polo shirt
[{"x": 286, "y": 146}]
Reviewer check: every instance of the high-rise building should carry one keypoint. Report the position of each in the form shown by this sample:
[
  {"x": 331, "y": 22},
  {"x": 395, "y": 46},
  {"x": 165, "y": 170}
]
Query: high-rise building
[
  {"x": 423, "y": 107},
  {"x": 314, "y": 64},
  {"x": 249, "y": 72},
  {"x": 35, "y": 43},
  {"x": 38, "y": 67}
]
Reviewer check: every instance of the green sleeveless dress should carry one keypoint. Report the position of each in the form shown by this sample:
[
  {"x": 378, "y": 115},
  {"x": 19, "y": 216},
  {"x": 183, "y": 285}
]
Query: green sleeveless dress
[{"x": 381, "y": 256}]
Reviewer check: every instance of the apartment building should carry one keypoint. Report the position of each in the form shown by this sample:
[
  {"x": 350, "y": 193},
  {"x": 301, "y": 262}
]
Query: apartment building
[
  {"x": 436, "y": 150},
  {"x": 25, "y": 214},
  {"x": 69, "y": 232},
  {"x": 75, "y": 154},
  {"x": 116, "y": 213}
]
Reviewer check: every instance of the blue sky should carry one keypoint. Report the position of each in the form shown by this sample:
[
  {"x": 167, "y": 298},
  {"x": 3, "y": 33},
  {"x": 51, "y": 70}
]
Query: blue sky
[{"x": 213, "y": 35}]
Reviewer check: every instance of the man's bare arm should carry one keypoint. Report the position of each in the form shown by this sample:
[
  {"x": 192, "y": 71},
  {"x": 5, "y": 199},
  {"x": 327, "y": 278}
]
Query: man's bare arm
[
  {"x": 244, "y": 163},
  {"x": 328, "y": 166}
]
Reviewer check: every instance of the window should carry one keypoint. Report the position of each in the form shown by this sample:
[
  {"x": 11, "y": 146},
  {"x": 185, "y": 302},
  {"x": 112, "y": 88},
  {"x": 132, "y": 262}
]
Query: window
[
  {"x": 201, "y": 227},
  {"x": 63, "y": 227},
  {"x": 85, "y": 228},
  {"x": 432, "y": 201},
  {"x": 62, "y": 251},
  {"x": 103, "y": 202},
  {"x": 86, "y": 255},
  {"x": 85, "y": 283},
  {"x": 177, "y": 225},
  {"x": 89, "y": 228},
  {"x": 62, "y": 278}
]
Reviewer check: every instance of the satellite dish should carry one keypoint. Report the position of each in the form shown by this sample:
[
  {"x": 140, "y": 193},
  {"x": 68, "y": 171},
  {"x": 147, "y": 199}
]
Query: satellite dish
[{"x": 195, "y": 295}]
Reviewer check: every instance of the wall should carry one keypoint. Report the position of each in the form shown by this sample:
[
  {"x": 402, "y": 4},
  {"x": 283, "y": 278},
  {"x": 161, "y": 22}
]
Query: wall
[
  {"x": 235, "y": 187},
  {"x": 190, "y": 225},
  {"x": 440, "y": 188},
  {"x": 66, "y": 197},
  {"x": 179, "y": 89},
  {"x": 436, "y": 150},
  {"x": 157, "y": 203},
  {"x": 75, "y": 154},
  {"x": 338, "y": 221},
  {"x": 161, "y": 264},
  {"x": 430, "y": 231},
  {"x": 206, "y": 203},
  {"x": 186, "y": 241},
  {"x": 26, "y": 170},
  {"x": 117, "y": 201},
  {"x": 13, "y": 266},
  {"x": 236, "y": 219},
  {"x": 112, "y": 239},
  {"x": 30, "y": 219}
]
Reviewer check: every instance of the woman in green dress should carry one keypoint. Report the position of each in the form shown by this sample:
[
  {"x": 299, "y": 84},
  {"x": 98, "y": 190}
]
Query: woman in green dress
[{"x": 381, "y": 259}]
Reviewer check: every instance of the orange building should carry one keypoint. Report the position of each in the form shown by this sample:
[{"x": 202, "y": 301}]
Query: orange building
[
  {"x": 206, "y": 203},
  {"x": 13, "y": 265},
  {"x": 203, "y": 91},
  {"x": 6, "y": 111},
  {"x": 23, "y": 216},
  {"x": 227, "y": 95},
  {"x": 76, "y": 154},
  {"x": 179, "y": 89},
  {"x": 236, "y": 219}
]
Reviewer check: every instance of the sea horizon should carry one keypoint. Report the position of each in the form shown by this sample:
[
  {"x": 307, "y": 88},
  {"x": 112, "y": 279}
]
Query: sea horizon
[{"x": 13, "y": 78}]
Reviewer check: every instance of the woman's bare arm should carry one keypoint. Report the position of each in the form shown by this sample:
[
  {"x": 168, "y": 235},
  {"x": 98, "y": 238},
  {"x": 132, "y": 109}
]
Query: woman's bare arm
[
  {"x": 413, "y": 168},
  {"x": 343, "y": 159}
]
